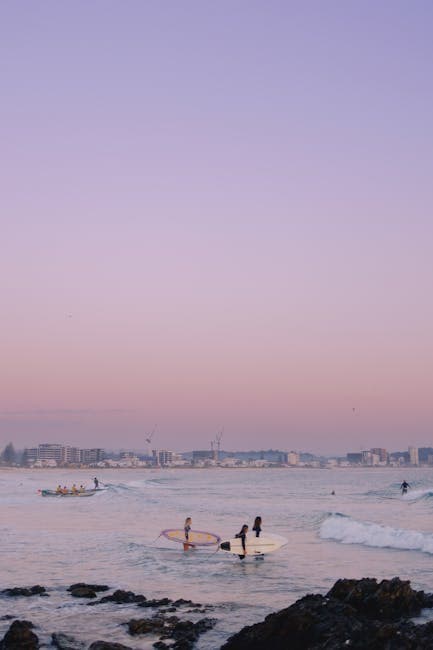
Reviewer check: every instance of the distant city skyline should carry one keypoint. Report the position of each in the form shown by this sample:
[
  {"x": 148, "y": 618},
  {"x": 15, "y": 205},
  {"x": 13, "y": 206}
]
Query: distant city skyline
[{"x": 217, "y": 215}]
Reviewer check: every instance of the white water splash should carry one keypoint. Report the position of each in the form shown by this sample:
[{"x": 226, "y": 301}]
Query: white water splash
[{"x": 349, "y": 531}]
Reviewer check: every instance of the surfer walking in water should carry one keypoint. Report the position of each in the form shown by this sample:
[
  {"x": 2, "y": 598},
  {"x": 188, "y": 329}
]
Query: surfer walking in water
[
  {"x": 404, "y": 486},
  {"x": 257, "y": 528},
  {"x": 187, "y": 528},
  {"x": 242, "y": 535}
]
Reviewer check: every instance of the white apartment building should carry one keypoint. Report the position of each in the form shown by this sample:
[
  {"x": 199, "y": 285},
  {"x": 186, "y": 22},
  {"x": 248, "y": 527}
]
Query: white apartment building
[{"x": 413, "y": 455}]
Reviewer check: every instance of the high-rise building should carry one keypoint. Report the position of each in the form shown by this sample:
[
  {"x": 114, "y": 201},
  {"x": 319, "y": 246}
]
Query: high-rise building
[
  {"x": 91, "y": 456},
  {"x": 71, "y": 455},
  {"x": 162, "y": 456},
  {"x": 413, "y": 455},
  {"x": 293, "y": 458},
  {"x": 51, "y": 452},
  {"x": 382, "y": 453}
]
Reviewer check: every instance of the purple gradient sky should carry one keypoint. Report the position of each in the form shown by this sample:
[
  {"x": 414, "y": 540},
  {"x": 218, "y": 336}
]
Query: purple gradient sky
[{"x": 217, "y": 214}]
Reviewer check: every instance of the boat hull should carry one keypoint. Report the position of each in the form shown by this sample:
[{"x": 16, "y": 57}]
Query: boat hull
[{"x": 53, "y": 493}]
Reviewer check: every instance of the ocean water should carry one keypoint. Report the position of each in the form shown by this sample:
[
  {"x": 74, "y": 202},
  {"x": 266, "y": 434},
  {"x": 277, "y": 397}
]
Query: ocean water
[{"x": 366, "y": 529}]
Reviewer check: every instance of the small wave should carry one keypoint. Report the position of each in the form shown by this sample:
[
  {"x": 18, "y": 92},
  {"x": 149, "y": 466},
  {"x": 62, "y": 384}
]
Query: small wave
[
  {"x": 349, "y": 531},
  {"x": 416, "y": 495}
]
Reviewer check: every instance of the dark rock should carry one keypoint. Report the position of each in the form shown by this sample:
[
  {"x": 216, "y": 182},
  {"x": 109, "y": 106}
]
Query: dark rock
[
  {"x": 181, "y": 601},
  {"x": 66, "y": 642},
  {"x": 155, "y": 602},
  {"x": 187, "y": 633},
  {"x": 7, "y": 617},
  {"x": 121, "y": 596},
  {"x": 196, "y": 611},
  {"x": 358, "y": 614},
  {"x": 184, "y": 633},
  {"x": 79, "y": 585},
  {"x": 160, "y": 645},
  {"x": 107, "y": 645},
  {"x": 36, "y": 590},
  {"x": 20, "y": 637},
  {"x": 387, "y": 600},
  {"x": 83, "y": 592},
  {"x": 146, "y": 626}
]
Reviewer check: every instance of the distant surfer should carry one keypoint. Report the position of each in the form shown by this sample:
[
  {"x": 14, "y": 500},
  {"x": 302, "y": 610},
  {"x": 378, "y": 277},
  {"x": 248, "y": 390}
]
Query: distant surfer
[
  {"x": 243, "y": 536},
  {"x": 257, "y": 528},
  {"x": 404, "y": 486},
  {"x": 96, "y": 482},
  {"x": 187, "y": 528}
]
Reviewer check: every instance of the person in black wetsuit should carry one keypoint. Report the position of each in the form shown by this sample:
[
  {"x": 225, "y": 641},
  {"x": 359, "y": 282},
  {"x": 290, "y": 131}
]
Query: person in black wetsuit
[
  {"x": 96, "y": 482},
  {"x": 404, "y": 486},
  {"x": 242, "y": 536},
  {"x": 257, "y": 528}
]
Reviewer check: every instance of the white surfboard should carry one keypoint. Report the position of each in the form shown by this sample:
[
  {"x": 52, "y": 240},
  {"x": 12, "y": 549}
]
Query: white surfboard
[{"x": 266, "y": 543}]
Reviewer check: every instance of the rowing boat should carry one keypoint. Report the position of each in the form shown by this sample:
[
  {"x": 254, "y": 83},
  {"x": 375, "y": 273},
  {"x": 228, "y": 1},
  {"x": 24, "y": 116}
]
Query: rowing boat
[{"x": 53, "y": 493}]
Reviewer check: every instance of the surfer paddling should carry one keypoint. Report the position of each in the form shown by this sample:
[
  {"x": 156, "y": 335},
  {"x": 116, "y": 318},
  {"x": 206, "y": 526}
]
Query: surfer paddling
[
  {"x": 187, "y": 528},
  {"x": 404, "y": 486}
]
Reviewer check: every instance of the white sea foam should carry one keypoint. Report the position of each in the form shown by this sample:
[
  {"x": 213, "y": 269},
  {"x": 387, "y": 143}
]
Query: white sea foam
[
  {"x": 349, "y": 531},
  {"x": 415, "y": 495}
]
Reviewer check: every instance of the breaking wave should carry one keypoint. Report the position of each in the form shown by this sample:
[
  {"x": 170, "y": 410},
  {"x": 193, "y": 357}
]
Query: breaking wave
[{"x": 349, "y": 531}]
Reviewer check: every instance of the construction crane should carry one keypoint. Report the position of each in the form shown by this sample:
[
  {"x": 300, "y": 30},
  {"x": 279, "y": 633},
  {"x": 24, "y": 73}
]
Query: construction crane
[
  {"x": 216, "y": 450},
  {"x": 149, "y": 439}
]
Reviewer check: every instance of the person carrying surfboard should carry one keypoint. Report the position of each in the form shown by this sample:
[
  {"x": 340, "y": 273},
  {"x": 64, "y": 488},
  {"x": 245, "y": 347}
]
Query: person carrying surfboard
[
  {"x": 187, "y": 527},
  {"x": 243, "y": 536}
]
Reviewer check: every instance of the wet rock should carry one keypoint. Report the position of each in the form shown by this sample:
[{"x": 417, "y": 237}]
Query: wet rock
[
  {"x": 155, "y": 602},
  {"x": 79, "y": 585},
  {"x": 82, "y": 592},
  {"x": 36, "y": 590},
  {"x": 66, "y": 642},
  {"x": 20, "y": 637},
  {"x": 356, "y": 614},
  {"x": 181, "y": 601},
  {"x": 107, "y": 645},
  {"x": 187, "y": 633},
  {"x": 146, "y": 626},
  {"x": 196, "y": 611},
  {"x": 121, "y": 597},
  {"x": 184, "y": 633},
  {"x": 389, "y": 599}
]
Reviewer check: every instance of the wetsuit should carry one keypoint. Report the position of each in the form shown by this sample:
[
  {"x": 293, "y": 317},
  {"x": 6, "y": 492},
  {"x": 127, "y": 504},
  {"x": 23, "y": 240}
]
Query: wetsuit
[
  {"x": 404, "y": 487},
  {"x": 242, "y": 536},
  {"x": 257, "y": 530}
]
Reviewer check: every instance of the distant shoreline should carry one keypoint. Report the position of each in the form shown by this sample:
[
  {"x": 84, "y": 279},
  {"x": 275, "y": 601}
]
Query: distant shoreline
[{"x": 405, "y": 468}]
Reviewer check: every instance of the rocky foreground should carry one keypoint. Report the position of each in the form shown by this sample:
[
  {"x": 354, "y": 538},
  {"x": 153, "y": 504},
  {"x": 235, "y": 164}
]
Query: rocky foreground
[
  {"x": 355, "y": 614},
  {"x": 168, "y": 628}
]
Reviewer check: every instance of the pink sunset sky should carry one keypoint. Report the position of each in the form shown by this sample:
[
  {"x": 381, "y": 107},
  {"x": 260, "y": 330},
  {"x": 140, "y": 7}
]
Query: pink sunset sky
[{"x": 217, "y": 215}]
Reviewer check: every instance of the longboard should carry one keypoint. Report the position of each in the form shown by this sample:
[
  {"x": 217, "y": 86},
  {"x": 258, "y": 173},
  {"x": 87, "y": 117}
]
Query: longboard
[
  {"x": 195, "y": 537},
  {"x": 266, "y": 543}
]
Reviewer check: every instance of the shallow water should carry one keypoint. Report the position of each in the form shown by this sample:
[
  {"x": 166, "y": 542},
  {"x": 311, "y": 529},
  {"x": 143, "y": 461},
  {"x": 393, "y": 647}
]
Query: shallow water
[{"x": 366, "y": 529}]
